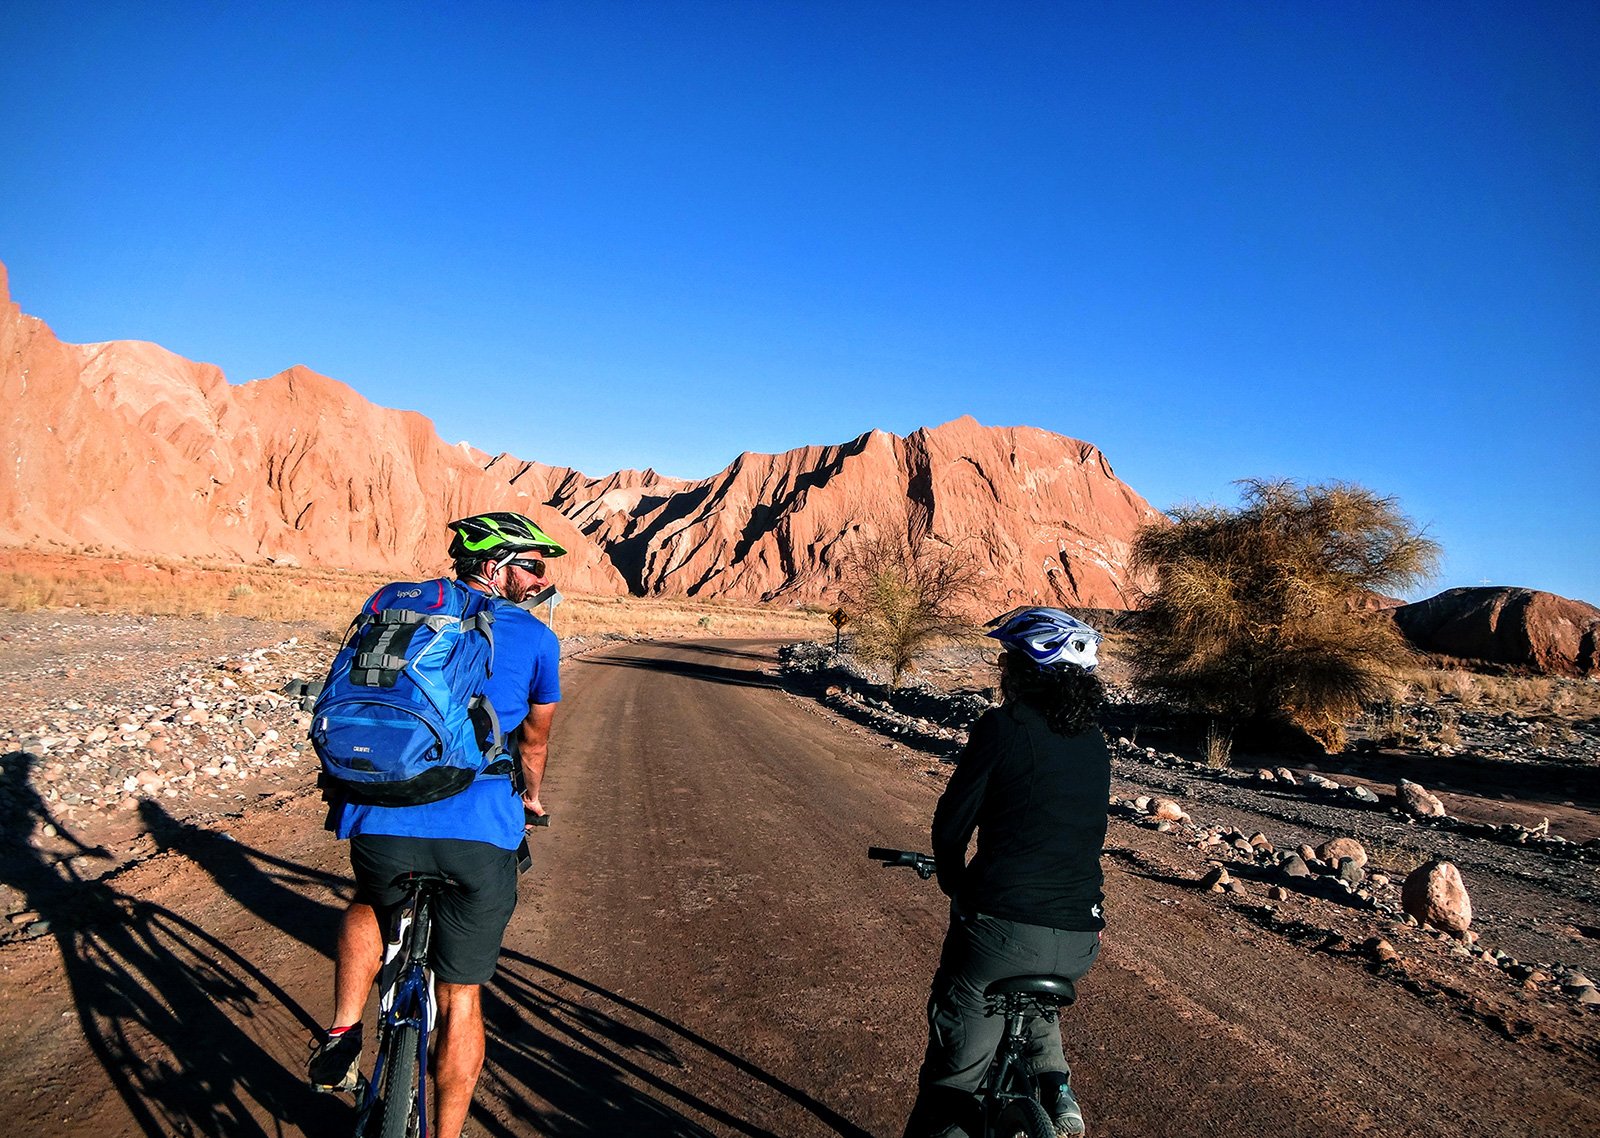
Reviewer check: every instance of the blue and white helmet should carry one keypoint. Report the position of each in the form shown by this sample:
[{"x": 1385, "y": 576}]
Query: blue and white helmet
[{"x": 1048, "y": 637}]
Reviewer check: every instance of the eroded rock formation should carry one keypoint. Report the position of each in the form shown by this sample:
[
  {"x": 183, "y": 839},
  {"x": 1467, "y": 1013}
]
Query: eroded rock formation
[{"x": 126, "y": 446}]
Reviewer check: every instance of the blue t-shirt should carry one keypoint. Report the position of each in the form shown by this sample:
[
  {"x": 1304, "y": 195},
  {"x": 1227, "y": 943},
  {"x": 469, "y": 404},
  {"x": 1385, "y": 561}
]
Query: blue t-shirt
[{"x": 527, "y": 660}]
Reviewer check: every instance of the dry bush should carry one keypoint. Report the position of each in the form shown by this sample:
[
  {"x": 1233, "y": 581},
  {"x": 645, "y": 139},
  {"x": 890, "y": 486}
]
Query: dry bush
[
  {"x": 1255, "y": 614},
  {"x": 1393, "y": 858},
  {"x": 1217, "y": 751},
  {"x": 904, "y": 593}
]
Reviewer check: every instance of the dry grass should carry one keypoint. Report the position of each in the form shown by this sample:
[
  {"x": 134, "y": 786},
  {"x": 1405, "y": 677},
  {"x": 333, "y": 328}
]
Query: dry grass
[
  {"x": 1528, "y": 696},
  {"x": 32, "y": 581},
  {"x": 1393, "y": 858},
  {"x": 1217, "y": 751}
]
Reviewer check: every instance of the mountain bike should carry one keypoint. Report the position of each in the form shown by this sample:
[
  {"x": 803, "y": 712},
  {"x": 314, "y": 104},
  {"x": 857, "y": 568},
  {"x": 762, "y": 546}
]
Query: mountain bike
[
  {"x": 1009, "y": 1097},
  {"x": 394, "y": 1101}
]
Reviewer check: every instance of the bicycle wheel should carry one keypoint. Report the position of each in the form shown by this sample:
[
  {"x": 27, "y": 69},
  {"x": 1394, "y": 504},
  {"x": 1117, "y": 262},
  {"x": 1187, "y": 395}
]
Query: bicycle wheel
[
  {"x": 400, "y": 1089},
  {"x": 1024, "y": 1118}
]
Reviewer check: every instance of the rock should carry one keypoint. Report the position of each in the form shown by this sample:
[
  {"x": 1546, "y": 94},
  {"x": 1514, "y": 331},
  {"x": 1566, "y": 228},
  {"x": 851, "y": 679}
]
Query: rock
[
  {"x": 1294, "y": 866},
  {"x": 1215, "y": 879},
  {"x": 1349, "y": 873},
  {"x": 1333, "y": 851},
  {"x": 1435, "y": 895},
  {"x": 1264, "y": 775},
  {"x": 1278, "y": 893},
  {"x": 1286, "y": 775},
  {"x": 1380, "y": 950},
  {"x": 1236, "y": 887},
  {"x": 1418, "y": 801},
  {"x": 1260, "y": 842},
  {"x": 1166, "y": 810},
  {"x": 1362, "y": 794},
  {"x": 1589, "y": 996}
]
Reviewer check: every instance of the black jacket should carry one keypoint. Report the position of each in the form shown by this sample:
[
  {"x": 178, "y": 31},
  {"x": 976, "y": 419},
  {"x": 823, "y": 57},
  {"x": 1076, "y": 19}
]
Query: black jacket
[{"x": 1038, "y": 801}]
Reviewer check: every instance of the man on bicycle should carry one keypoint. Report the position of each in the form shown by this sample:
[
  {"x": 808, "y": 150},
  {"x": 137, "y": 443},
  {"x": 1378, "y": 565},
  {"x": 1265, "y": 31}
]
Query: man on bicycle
[
  {"x": 1033, "y": 782},
  {"x": 472, "y": 837}
]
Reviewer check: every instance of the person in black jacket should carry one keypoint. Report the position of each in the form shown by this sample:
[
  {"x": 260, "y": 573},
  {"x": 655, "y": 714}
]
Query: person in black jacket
[{"x": 1033, "y": 781}]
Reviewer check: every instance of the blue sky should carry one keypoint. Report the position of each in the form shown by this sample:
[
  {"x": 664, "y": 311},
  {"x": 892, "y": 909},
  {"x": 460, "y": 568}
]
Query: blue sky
[{"x": 1354, "y": 241}]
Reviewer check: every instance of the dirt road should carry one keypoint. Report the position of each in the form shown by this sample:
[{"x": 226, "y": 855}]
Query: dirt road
[{"x": 703, "y": 949}]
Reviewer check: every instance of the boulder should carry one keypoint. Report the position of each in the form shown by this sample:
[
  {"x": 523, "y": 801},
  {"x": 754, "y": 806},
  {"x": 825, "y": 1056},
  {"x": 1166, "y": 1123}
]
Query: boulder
[
  {"x": 1524, "y": 628},
  {"x": 1332, "y": 851},
  {"x": 1435, "y": 895},
  {"x": 1166, "y": 810},
  {"x": 1418, "y": 801}
]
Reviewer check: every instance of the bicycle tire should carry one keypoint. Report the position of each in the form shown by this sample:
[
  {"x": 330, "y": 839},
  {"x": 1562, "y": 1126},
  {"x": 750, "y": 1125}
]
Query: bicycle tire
[
  {"x": 1024, "y": 1118},
  {"x": 400, "y": 1088}
]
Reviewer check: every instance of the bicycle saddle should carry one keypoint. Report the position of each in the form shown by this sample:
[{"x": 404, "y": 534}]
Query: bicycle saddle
[{"x": 1048, "y": 989}]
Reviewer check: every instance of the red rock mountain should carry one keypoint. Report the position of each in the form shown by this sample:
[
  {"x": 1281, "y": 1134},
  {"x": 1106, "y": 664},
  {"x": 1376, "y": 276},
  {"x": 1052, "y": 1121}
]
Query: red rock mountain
[
  {"x": 125, "y": 446},
  {"x": 1525, "y": 628}
]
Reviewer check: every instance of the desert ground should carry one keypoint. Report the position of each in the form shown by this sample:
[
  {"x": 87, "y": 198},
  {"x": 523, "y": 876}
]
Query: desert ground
[{"x": 702, "y": 947}]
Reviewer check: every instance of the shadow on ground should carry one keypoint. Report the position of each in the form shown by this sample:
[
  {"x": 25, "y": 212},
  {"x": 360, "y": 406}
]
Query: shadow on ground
[
  {"x": 189, "y": 1031},
  {"x": 604, "y": 1064}
]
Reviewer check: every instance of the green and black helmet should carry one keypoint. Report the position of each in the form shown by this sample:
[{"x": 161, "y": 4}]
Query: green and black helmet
[{"x": 501, "y": 534}]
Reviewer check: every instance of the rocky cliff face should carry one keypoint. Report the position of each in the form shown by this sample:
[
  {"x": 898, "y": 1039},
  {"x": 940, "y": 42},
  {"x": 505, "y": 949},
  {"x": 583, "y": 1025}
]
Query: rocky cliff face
[{"x": 125, "y": 446}]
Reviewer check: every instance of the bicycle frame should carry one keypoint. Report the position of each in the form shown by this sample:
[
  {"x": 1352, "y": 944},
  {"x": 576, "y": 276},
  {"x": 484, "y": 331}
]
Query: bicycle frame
[
  {"x": 405, "y": 993},
  {"x": 1008, "y": 1078}
]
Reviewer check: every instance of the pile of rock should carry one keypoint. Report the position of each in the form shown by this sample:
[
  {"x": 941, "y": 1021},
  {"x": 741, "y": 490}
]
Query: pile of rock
[{"x": 223, "y": 724}]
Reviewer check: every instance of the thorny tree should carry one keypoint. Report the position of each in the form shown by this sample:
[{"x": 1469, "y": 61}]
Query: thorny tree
[
  {"x": 1261, "y": 612},
  {"x": 903, "y": 594}
]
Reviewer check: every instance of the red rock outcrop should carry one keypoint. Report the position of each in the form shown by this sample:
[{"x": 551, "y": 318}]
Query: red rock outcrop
[
  {"x": 128, "y": 447},
  {"x": 1044, "y": 516},
  {"x": 1520, "y": 627}
]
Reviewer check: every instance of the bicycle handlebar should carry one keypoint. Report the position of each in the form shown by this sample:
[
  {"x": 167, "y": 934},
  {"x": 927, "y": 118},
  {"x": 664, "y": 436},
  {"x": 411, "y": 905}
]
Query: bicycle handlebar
[{"x": 921, "y": 862}]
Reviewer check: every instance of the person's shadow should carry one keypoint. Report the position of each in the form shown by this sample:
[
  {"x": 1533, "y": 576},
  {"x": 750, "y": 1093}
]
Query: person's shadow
[
  {"x": 607, "y": 1065},
  {"x": 190, "y": 1031}
]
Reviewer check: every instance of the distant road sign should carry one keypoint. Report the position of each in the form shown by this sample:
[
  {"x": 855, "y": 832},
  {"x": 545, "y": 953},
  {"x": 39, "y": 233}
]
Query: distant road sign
[{"x": 838, "y": 617}]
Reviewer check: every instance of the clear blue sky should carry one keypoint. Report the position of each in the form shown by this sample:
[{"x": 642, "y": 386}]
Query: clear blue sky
[{"x": 1354, "y": 241}]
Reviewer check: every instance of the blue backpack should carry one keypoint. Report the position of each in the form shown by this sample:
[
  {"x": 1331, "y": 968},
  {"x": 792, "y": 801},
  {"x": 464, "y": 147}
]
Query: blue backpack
[{"x": 402, "y": 719}]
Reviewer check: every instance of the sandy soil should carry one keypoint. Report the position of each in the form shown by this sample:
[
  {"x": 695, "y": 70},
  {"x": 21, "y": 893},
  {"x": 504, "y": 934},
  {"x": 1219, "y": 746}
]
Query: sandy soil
[{"x": 703, "y": 949}]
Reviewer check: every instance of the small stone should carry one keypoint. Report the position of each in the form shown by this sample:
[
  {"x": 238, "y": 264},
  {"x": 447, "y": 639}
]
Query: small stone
[
  {"x": 1381, "y": 950},
  {"x": 1236, "y": 887},
  {"x": 1362, "y": 794},
  {"x": 1294, "y": 866},
  {"x": 1215, "y": 879},
  {"x": 1278, "y": 893},
  {"x": 1350, "y": 873},
  {"x": 1286, "y": 775},
  {"x": 1589, "y": 996}
]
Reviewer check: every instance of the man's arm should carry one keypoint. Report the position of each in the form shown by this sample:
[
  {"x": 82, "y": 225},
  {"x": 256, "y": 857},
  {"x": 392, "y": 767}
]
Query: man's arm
[{"x": 530, "y": 743}]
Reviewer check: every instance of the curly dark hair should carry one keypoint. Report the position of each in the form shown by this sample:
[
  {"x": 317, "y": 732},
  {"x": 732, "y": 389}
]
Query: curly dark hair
[{"x": 1068, "y": 697}]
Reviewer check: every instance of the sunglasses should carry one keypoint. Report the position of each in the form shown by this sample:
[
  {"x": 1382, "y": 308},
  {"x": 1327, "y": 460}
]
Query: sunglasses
[{"x": 534, "y": 565}]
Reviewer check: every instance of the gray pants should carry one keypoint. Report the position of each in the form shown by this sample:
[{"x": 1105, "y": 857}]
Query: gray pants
[{"x": 961, "y": 1038}]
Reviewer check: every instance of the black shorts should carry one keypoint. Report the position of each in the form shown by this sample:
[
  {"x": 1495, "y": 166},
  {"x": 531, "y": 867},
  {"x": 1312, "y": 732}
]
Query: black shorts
[{"x": 469, "y": 919}]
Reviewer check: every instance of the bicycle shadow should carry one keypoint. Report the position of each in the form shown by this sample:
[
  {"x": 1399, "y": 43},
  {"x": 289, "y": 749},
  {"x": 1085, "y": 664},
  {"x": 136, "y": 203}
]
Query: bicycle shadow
[
  {"x": 607, "y": 1065},
  {"x": 189, "y": 1032}
]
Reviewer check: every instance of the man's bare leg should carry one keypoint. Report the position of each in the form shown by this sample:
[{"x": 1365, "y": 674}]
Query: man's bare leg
[
  {"x": 458, "y": 1058},
  {"x": 360, "y": 954}
]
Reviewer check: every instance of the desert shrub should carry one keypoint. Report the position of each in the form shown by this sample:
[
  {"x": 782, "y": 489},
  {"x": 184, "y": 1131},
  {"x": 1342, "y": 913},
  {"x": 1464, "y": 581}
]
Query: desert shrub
[
  {"x": 1218, "y": 747},
  {"x": 1256, "y": 612},
  {"x": 903, "y": 594}
]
